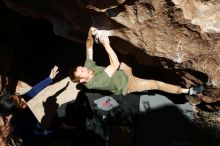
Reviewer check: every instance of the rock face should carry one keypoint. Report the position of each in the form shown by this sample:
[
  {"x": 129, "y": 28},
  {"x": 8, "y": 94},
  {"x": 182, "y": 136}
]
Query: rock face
[
  {"x": 181, "y": 36},
  {"x": 178, "y": 39}
]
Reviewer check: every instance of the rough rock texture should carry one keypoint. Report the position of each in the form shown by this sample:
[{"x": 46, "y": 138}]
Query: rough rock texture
[
  {"x": 181, "y": 37},
  {"x": 204, "y": 14}
]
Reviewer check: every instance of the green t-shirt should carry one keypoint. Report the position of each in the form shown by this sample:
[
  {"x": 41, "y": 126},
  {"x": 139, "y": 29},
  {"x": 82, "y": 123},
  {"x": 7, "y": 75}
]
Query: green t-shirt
[{"x": 101, "y": 81}]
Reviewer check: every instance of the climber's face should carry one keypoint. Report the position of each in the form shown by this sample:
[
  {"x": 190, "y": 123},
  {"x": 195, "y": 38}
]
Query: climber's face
[{"x": 84, "y": 74}]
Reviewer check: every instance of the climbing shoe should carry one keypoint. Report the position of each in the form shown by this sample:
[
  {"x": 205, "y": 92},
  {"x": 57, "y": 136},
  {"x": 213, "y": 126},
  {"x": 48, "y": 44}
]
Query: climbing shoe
[{"x": 196, "y": 90}]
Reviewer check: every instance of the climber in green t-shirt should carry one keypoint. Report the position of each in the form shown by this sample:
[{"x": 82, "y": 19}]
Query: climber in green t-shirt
[{"x": 117, "y": 77}]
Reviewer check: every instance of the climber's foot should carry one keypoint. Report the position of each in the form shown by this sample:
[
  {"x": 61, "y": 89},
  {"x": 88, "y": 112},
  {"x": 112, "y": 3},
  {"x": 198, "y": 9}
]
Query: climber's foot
[{"x": 196, "y": 90}]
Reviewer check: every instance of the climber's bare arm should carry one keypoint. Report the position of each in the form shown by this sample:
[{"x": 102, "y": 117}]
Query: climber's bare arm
[
  {"x": 114, "y": 62},
  {"x": 89, "y": 44}
]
